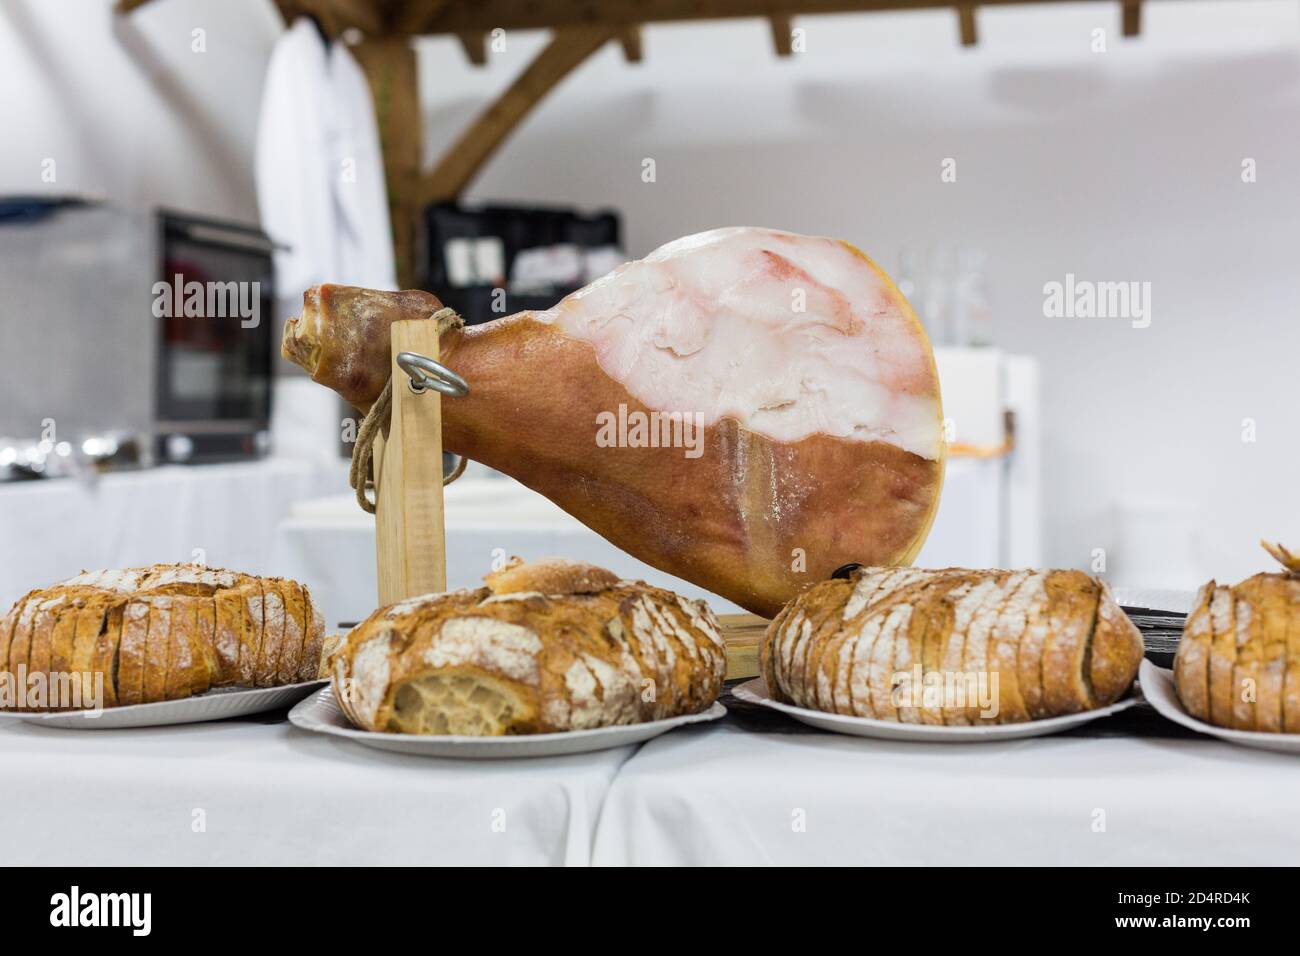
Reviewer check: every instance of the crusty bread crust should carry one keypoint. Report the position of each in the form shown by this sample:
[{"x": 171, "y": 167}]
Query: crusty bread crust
[
  {"x": 268, "y": 659},
  {"x": 313, "y": 664},
  {"x": 549, "y": 576},
  {"x": 1223, "y": 656},
  {"x": 1192, "y": 662},
  {"x": 131, "y": 651},
  {"x": 1072, "y": 610},
  {"x": 1117, "y": 650},
  {"x": 63, "y": 638},
  {"x": 47, "y": 615},
  {"x": 1055, "y": 641},
  {"x": 90, "y": 623},
  {"x": 1004, "y": 649},
  {"x": 1243, "y": 644},
  {"x": 1248, "y": 608},
  {"x": 1291, "y": 682},
  {"x": 157, "y": 649},
  {"x": 1271, "y": 666},
  {"x": 106, "y": 654},
  {"x": 8, "y": 624},
  {"x": 520, "y": 661},
  {"x": 21, "y": 645},
  {"x": 1029, "y": 656},
  {"x": 984, "y": 610},
  {"x": 158, "y": 633}
]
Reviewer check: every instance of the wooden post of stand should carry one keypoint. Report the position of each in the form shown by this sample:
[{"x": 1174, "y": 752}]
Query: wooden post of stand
[{"x": 410, "y": 542}]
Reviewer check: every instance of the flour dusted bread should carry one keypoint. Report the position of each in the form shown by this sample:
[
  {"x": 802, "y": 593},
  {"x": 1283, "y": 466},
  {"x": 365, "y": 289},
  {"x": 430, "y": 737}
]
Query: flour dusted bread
[
  {"x": 548, "y": 646},
  {"x": 952, "y": 646},
  {"x": 1238, "y": 663},
  {"x": 112, "y": 638}
]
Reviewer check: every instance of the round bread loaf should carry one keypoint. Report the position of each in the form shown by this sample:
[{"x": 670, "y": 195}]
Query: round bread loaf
[
  {"x": 141, "y": 635},
  {"x": 1238, "y": 663},
  {"x": 548, "y": 646},
  {"x": 953, "y": 646}
]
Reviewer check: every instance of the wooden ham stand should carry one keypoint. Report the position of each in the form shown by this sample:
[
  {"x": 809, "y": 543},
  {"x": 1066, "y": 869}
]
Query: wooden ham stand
[
  {"x": 410, "y": 537},
  {"x": 410, "y": 533}
]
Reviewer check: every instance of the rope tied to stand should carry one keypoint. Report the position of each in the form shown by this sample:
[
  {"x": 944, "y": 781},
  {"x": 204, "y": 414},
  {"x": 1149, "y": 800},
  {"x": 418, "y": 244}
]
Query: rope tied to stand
[{"x": 378, "y": 420}]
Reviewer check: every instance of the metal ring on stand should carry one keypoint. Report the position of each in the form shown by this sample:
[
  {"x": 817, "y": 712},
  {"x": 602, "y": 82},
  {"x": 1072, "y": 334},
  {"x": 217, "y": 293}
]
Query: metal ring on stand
[{"x": 423, "y": 373}]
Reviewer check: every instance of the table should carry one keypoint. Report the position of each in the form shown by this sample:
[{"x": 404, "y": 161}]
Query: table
[
  {"x": 726, "y": 795},
  {"x": 270, "y": 794},
  {"x": 223, "y": 515},
  {"x": 750, "y": 789}
]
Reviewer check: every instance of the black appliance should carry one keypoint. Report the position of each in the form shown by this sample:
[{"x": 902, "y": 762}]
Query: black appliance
[
  {"x": 514, "y": 230},
  {"x": 213, "y": 304}
]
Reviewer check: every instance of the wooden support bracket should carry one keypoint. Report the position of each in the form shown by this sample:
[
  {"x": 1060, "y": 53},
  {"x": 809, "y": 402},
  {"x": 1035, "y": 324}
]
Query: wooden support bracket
[
  {"x": 410, "y": 537},
  {"x": 630, "y": 39},
  {"x": 966, "y": 23},
  {"x": 412, "y": 17},
  {"x": 475, "y": 47},
  {"x": 462, "y": 162},
  {"x": 782, "y": 34},
  {"x": 390, "y": 67},
  {"x": 1132, "y": 17}
]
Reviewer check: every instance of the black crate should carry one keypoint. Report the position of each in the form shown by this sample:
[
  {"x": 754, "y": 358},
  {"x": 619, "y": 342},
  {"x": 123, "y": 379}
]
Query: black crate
[{"x": 518, "y": 228}]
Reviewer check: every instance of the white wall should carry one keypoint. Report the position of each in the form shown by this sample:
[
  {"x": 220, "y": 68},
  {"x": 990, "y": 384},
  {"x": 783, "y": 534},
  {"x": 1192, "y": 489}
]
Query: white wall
[
  {"x": 1114, "y": 166},
  {"x": 126, "y": 108}
]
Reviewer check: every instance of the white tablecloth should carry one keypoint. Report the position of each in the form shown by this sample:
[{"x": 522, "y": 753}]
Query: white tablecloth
[
  {"x": 272, "y": 794},
  {"x": 224, "y": 515},
  {"x": 724, "y": 796}
]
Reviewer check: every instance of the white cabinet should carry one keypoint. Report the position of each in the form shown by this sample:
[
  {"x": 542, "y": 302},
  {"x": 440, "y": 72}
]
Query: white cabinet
[{"x": 989, "y": 512}]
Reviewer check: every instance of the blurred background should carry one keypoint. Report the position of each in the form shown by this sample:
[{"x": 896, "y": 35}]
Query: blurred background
[{"x": 978, "y": 155}]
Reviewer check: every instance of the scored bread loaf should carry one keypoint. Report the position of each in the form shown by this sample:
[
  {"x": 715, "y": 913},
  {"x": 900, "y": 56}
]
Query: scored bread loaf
[
  {"x": 952, "y": 646},
  {"x": 142, "y": 635},
  {"x": 548, "y": 646},
  {"x": 1238, "y": 663}
]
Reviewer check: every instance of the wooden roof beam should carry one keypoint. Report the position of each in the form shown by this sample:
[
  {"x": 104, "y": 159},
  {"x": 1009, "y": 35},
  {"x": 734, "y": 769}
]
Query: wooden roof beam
[
  {"x": 782, "y": 34},
  {"x": 630, "y": 39},
  {"x": 475, "y": 47},
  {"x": 1132, "y": 17},
  {"x": 463, "y": 160},
  {"x": 414, "y": 16},
  {"x": 335, "y": 16},
  {"x": 966, "y": 24},
  {"x": 487, "y": 15}
]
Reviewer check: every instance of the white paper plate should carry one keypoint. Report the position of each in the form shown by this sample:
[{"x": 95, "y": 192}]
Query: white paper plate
[
  {"x": 321, "y": 713},
  {"x": 1158, "y": 688},
  {"x": 755, "y": 692},
  {"x": 214, "y": 705}
]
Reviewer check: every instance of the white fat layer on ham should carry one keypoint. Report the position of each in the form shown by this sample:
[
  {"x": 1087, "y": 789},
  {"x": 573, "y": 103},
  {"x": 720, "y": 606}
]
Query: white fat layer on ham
[{"x": 789, "y": 335}]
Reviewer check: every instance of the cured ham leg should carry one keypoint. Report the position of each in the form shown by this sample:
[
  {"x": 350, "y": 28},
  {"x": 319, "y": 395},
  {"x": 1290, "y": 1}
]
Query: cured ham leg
[{"x": 746, "y": 409}]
